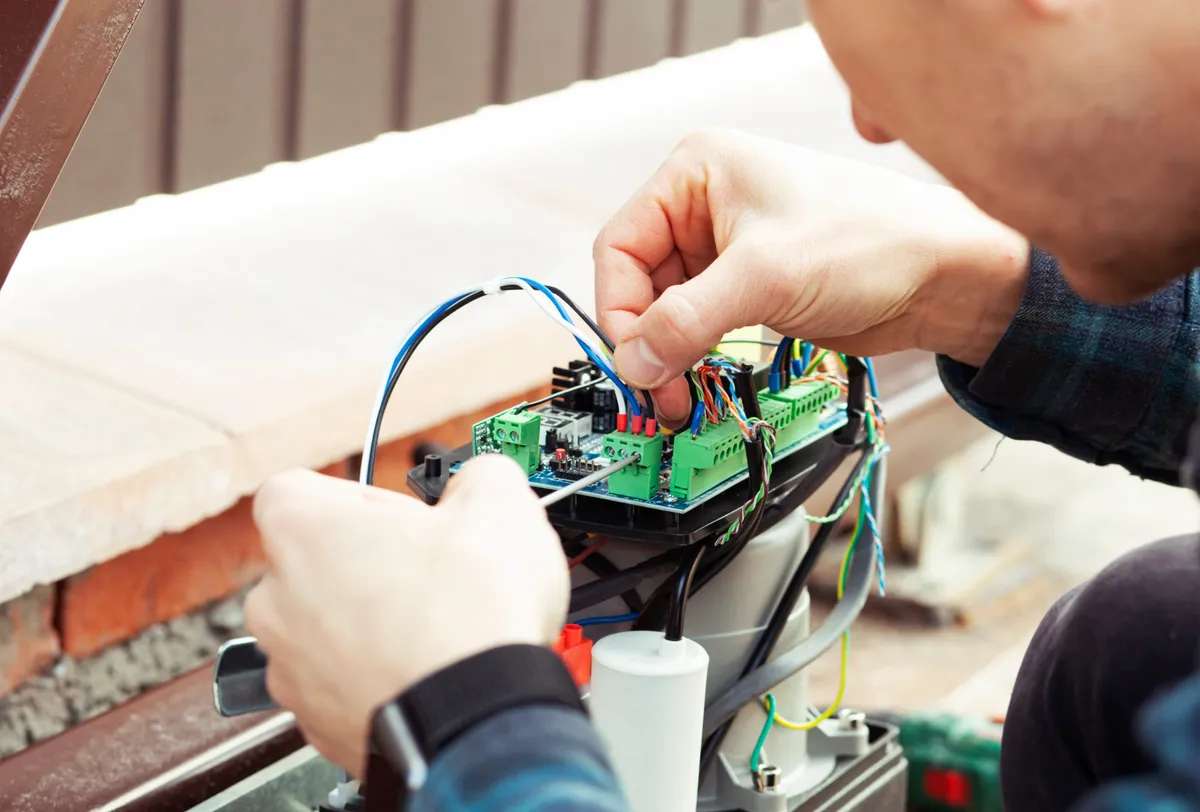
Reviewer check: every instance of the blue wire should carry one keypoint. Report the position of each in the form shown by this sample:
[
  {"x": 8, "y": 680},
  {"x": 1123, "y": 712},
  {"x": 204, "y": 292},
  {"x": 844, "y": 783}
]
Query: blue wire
[
  {"x": 872, "y": 526},
  {"x": 634, "y": 406},
  {"x": 597, "y": 621},
  {"x": 538, "y": 286},
  {"x": 873, "y": 529},
  {"x": 871, "y": 377},
  {"x": 697, "y": 417},
  {"x": 432, "y": 317},
  {"x": 806, "y": 354},
  {"x": 781, "y": 353}
]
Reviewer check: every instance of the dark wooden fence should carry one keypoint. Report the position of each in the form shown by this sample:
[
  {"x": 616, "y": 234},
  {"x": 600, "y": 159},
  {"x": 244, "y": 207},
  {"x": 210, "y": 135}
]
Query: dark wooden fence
[{"x": 207, "y": 90}]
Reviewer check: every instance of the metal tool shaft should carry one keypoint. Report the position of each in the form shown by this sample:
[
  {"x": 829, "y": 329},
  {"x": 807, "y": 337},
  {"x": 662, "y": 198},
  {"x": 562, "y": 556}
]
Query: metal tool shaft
[{"x": 591, "y": 479}]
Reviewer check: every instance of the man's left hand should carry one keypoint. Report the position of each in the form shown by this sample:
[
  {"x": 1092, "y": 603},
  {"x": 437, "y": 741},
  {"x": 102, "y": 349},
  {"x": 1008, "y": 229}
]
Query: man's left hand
[{"x": 369, "y": 591}]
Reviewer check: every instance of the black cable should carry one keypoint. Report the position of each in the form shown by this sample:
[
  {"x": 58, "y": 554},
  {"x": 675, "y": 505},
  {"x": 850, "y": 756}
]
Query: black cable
[
  {"x": 859, "y": 583},
  {"x": 743, "y": 381},
  {"x": 657, "y": 608},
  {"x": 755, "y": 460},
  {"x": 856, "y": 401},
  {"x": 679, "y": 594},
  {"x": 595, "y": 328},
  {"x": 554, "y": 395},
  {"x": 785, "y": 366},
  {"x": 783, "y": 610},
  {"x": 602, "y": 567},
  {"x": 810, "y": 484},
  {"x": 595, "y": 592},
  {"x": 401, "y": 363}
]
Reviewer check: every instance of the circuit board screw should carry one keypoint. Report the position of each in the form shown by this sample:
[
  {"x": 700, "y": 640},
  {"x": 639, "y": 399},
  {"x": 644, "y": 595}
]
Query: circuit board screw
[{"x": 433, "y": 466}]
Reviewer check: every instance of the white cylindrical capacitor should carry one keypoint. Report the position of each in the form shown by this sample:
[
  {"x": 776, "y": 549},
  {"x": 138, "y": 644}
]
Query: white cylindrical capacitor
[{"x": 647, "y": 701}]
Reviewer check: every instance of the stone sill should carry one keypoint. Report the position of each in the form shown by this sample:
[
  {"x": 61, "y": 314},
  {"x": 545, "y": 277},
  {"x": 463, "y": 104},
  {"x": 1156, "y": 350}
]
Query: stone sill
[{"x": 159, "y": 361}]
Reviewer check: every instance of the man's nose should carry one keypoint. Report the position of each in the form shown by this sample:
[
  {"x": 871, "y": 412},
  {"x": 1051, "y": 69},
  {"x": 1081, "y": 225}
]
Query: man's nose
[{"x": 867, "y": 128}]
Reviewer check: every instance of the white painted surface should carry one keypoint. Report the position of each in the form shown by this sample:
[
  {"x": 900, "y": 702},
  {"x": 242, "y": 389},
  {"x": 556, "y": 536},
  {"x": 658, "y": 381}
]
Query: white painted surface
[{"x": 186, "y": 347}]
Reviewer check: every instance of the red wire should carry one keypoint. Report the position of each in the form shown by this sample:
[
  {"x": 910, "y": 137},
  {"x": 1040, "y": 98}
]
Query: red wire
[{"x": 577, "y": 560}]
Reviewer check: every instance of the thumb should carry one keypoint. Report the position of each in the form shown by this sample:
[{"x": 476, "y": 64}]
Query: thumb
[
  {"x": 688, "y": 320},
  {"x": 491, "y": 478}
]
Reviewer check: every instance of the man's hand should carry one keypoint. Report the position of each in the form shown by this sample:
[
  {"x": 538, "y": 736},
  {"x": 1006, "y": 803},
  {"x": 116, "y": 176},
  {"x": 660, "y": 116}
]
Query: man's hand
[
  {"x": 735, "y": 231},
  {"x": 369, "y": 591}
]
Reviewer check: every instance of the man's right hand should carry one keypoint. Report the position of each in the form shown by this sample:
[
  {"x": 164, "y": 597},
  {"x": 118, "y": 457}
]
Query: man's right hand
[{"x": 736, "y": 230}]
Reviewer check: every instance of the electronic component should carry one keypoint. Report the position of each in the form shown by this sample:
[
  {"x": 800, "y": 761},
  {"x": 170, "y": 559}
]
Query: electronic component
[
  {"x": 701, "y": 462},
  {"x": 688, "y": 478},
  {"x": 569, "y": 426},
  {"x": 576, "y": 396},
  {"x": 576, "y": 653},
  {"x": 519, "y": 436},
  {"x": 647, "y": 702},
  {"x": 565, "y": 466},
  {"x": 604, "y": 408},
  {"x": 805, "y": 398},
  {"x": 639, "y": 481}
]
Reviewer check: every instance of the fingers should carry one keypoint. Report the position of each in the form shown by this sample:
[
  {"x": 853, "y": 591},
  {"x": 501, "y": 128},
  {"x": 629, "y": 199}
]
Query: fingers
[
  {"x": 673, "y": 403},
  {"x": 661, "y": 235},
  {"x": 299, "y": 510},
  {"x": 490, "y": 479},
  {"x": 688, "y": 320}
]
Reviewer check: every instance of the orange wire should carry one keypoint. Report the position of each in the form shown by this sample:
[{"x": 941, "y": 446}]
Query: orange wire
[{"x": 577, "y": 560}]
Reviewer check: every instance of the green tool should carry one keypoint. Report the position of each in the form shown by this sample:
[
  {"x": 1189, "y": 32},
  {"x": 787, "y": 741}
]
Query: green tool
[{"x": 954, "y": 762}]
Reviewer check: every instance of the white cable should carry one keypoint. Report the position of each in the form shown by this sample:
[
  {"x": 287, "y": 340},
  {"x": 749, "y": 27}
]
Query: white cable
[
  {"x": 546, "y": 307},
  {"x": 490, "y": 287},
  {"x": 368, "y": 455}
]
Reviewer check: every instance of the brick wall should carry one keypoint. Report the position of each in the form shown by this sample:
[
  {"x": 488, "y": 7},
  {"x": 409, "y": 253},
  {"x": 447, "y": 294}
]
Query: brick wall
[{"x": 176, "y": 574}]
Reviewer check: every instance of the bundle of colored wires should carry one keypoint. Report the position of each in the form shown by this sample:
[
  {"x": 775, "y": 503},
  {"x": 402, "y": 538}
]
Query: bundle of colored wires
[
  {"x": 765, "y": 433},
  {"x": 551, "y": 302},
  {"x": 715, "y": 391},
  {"x": 859, "y": 389},
  {"x": 773, "y": 716},
  {"x": 716, "y": 396}
]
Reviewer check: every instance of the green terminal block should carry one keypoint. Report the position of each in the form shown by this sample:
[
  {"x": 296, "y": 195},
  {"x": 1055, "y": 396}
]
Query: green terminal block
[
  {"x": 718, "y": 453},
  {"x": 518, "y": 434},
  {"x": 804, "y": 398},
  {"x": 640, "y": 480},
  {"x": 706, "y": 460}
]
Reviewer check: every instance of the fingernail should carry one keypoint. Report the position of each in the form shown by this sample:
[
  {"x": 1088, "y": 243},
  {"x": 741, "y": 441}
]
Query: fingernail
[{"x": 638, "y": 364}]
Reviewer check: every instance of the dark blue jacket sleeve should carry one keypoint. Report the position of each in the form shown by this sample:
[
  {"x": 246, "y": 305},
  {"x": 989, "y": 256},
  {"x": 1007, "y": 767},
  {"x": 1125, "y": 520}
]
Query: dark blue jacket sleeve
[
  {"x": 1169, "y": 730},
  {"x": 525, "y": 760},
  {"x": 1109, "y": 385}
]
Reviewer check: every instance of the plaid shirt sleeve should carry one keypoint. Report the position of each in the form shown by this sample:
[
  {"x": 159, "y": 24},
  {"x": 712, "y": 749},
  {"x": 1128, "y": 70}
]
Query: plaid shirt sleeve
[
  {"x": 528, "y": 759},
  {"x": 1109, "y": 385},
  {"x": 1169, "y": 730}
]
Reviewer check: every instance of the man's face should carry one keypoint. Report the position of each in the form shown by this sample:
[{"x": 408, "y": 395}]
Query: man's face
[{"x": 1076, "y": 122}]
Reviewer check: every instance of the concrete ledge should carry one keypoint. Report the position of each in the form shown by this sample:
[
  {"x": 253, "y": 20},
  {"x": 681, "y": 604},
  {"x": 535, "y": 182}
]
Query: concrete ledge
[{"x": 160, "y": 360}]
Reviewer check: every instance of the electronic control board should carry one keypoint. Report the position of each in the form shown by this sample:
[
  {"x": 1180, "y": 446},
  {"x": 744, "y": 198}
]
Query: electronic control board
[
  {"x": 682, "y": 484},
  {"x": 591, "y": 452}
]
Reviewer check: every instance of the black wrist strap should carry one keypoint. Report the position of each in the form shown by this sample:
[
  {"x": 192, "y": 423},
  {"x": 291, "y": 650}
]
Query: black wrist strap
[{"x": 447, "y": 704}]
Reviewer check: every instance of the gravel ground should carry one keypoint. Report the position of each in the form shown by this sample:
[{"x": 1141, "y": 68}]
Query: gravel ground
[{"x": 80, "y": 689}]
